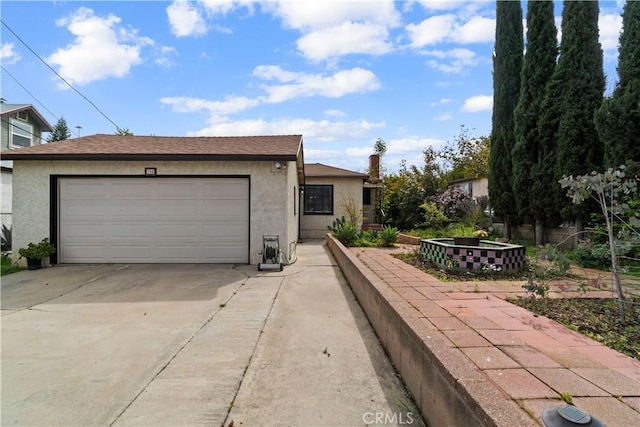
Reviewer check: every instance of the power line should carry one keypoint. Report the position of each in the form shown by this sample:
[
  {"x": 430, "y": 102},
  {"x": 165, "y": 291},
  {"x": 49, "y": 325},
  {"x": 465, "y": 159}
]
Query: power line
[
  {"x": 26, "y": 90},
  {"x": 56, "y": 73}
]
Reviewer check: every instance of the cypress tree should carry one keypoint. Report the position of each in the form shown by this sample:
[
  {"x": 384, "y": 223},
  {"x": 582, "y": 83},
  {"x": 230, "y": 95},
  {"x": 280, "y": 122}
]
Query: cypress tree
[
  {"x": 618, "y": 119},
  {"x": 529, "y": 177},
  {"x": 580, "y": 73},
  {"x": 60, "y": 131},
  {"x": 507, "y": 64}
]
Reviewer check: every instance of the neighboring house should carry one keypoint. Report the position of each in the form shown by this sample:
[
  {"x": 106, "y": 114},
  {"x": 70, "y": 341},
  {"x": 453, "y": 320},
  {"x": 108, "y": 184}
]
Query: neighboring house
[
  {"x": 474, "y": 187},
  {"x": 148, "y": 199},
  {"x": 329, "y": 193},
  {"x": 22, "y": 126}
]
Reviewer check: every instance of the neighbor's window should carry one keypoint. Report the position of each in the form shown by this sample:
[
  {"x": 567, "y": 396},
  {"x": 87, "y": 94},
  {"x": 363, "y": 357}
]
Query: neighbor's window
[
  {"x": 366, "y": 196},
  {"x": 318, "y": 199},
  {"x": 21, "y": 133}
]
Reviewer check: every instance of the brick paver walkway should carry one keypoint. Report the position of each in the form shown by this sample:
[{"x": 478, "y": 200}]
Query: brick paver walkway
[{"x": 531, "y": 358}]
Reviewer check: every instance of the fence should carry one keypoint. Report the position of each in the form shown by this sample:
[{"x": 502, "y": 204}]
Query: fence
[{"x": 5, "y": 219}]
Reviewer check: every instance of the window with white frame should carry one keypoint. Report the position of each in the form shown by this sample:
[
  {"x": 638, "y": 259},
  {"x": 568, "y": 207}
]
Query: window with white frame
[{"x": 20, "y": 133}]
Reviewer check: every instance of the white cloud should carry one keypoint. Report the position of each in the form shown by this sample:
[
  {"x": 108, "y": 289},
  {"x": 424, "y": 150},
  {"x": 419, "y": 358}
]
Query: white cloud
[
  {"x": 330, "y": 29},
  {"x": 100, "y": 50},
  {"x": 432, "y": 30},
  {"x": 218, "y": 6},
  {"x": 323, "y": 130},
  {"x": 8, "y": 55},
  {"x": 451, "y": 28},
  {"x": 334, "y": 113},
  {"x": 310, "y": 16},
  {"x": 231, "y": 105},
  {"x": 358, "y": 151},
  {"x": 320, "y": 154},
  {"x": 610, "y": 26},
  {"x": 442, "y": 101},
  {"x": 345, "y": 39},
  {"x": 164, "y": 57},
  {"x": 410, "y": 145},
  {"x": 477, "y": 30},
  {"x": 185, "y": 20},
  {"x": 459, "y": 59},
  {"x": 439, "y": 4},
  {"x": 477, "y": 103},
  {"x": 444, "y": 117},
  {"x": 355, "y": 80}
]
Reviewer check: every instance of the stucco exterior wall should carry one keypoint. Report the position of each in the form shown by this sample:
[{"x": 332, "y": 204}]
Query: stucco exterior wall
[
  {"x": 293, "y": 210},
  {"x": 480, "y": 187},
  {"x": 344, "y": 189},
  {"x": 269, "y": 194}
]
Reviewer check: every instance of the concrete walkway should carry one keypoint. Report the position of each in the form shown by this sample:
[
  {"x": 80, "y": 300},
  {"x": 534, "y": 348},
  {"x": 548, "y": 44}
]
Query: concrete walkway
[
  {"x": 531, "y": 359},
  {"x": 194, "y": 345}
]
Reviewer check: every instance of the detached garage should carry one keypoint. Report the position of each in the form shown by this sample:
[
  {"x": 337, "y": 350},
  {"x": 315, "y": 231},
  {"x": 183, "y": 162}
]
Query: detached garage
[{"x": 136, "y": 199}]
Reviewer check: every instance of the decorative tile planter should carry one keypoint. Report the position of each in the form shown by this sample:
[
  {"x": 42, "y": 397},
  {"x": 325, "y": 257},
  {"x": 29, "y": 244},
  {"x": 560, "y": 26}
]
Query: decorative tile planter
[{"x": 473, "y": 257}]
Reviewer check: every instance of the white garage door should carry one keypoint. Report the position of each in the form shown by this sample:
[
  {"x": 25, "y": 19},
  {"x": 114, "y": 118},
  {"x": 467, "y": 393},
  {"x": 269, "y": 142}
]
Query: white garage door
[{"x": 153, "y": 220}]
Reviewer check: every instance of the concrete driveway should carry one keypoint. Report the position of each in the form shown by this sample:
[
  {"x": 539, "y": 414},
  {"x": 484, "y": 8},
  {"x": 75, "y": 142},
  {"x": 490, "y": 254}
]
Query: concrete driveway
[{"x": 193, "y": 345}]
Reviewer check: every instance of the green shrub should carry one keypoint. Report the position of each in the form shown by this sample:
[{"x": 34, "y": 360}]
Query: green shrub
[
  {"x": 388, "y": 236},
  {"x": 433, "y": 216},
  {"x": 337, "y": 223},
  {"x": 590, "y": 255},
  {"x": 38, "y": 250},
  {"x": 347, "y": 234},
  {"x": 476, "y": 218}
]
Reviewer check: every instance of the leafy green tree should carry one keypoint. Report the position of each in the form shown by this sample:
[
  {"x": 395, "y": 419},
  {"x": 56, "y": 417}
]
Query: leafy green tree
[
  {"x": 530, "y": 180},
  {"x": 507, "y": 64},
  {"x": 60, "y": 131},
  {"x": 609, "y": 190},
  {"x": 123, "y": 132},
  {"x": 581, "y": 78},
  {"x": 468, "y": 156},
  {"x": 618, "y": 118},
  {"x": 404, "y": 192}
]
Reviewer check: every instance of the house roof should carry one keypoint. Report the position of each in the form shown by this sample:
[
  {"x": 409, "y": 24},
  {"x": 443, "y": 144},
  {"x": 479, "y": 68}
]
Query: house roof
[
  {"x": 319, "y": 170},
  {"x": 130, "y": 147},
  {"x": 9, "y": 109}
]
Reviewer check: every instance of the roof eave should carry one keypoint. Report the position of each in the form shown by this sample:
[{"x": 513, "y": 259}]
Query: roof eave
[
  {"x": 44, "y": 124},
  {"x": 150, "y": 157}
]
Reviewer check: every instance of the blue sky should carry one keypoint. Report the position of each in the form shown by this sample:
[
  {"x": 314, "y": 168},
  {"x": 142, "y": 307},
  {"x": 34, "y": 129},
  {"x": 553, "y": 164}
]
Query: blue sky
[{"x": 341, "y": 73}]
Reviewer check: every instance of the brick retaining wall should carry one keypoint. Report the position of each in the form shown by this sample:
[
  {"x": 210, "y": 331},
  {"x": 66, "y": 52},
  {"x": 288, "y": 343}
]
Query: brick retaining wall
[{"x": 448, "y": 390}]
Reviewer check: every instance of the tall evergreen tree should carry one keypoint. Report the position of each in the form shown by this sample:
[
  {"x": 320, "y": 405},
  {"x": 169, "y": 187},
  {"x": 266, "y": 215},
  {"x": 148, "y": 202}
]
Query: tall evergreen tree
[
  {"x": 618, "y": 119},
  {"x": 60, "y": 131},
  {"x": 529, "y": 178},
  {"x": 581, "y": 78},
  {"x": 507, "y": 64}
]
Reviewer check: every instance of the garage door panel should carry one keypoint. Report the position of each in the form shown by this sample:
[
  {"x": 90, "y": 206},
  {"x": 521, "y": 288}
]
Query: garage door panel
[
  {"x": 77, "y": 209},
  {"x": 83, "y": 253},
  {"x": 228, "y": 191},
  {"x": 228, "y": 231},
  {"x": 149, "y": 220},
  {"x": 130, "y": 190},
  {"x": 86, "y": 190},
  {"x": 175, "y": 190},
  {"x": 225, "y": 210},
  {"x": 82, "y": 231}
]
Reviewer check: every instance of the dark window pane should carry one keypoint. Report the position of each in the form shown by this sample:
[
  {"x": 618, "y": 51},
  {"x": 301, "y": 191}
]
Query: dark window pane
[{"x": 318, "y": 199}]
